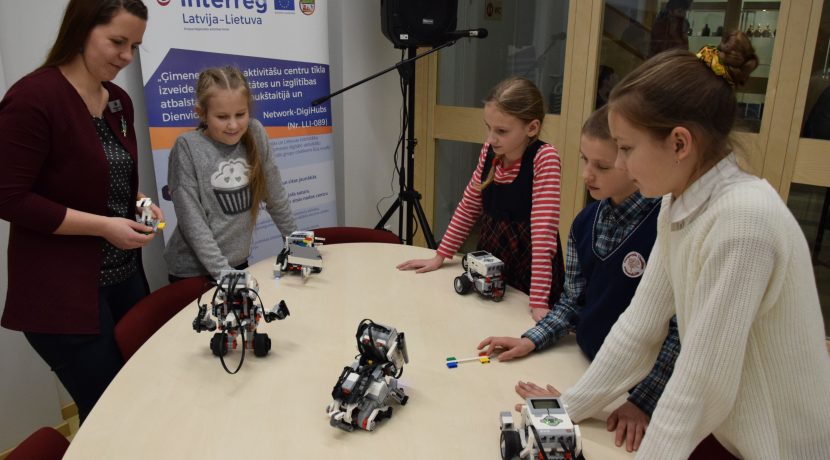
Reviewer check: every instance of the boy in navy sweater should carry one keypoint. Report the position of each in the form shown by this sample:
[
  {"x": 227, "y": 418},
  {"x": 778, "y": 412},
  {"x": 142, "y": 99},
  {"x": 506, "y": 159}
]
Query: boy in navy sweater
[{"x": 608, "y": 246}]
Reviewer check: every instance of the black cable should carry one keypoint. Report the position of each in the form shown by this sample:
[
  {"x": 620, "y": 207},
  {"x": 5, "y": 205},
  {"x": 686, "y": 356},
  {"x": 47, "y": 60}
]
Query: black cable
[
  {"x": 398, "y": 146},
  {"x": 542, "y": 452},
  {"x": 233, "y": 279},
  {"x": 225, "y": 340},
  {"x": 566, "y": 447}
]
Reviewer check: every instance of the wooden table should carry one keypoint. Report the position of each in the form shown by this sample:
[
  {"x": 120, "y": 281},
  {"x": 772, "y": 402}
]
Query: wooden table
[{"x": 174, "y": 400}]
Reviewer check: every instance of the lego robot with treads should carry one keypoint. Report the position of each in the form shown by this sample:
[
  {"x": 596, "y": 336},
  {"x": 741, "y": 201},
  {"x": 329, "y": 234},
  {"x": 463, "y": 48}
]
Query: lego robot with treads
[{"x": 365, "y": 390}]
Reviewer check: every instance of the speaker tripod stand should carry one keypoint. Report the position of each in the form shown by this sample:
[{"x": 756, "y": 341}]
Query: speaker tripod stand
[{"x": 408, "y": 201}]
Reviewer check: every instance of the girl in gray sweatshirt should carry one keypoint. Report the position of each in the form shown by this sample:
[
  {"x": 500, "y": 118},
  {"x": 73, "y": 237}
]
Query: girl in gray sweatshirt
[{"x": 218, "y": 175}]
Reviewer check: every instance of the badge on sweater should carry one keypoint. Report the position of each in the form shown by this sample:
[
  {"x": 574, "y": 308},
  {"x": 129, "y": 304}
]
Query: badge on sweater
[
  {"x": 634, "y": 264},
  {"x": 115, "y": 106}
]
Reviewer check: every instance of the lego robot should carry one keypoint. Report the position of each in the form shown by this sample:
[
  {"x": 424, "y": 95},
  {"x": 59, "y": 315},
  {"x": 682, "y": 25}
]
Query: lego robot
[
  {"x": 482, "y": 272},
  {"x": 144, "y": 215},
  {"x": 546, "y": 432},
  {"x": 238, "y": 309},
  {"x": 299, "y": 254},
  {"x": 365, "y": 390}
]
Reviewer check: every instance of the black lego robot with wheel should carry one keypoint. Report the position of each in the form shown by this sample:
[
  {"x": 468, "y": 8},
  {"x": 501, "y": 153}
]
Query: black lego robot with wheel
[
  {"x": 483, "y": 273},
  {"x": 237, "y": 307},
  {"x": 545, "y": 432}
]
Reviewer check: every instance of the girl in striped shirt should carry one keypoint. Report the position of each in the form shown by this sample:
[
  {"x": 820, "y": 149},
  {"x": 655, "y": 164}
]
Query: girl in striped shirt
[{"x": 514, "y": 192}]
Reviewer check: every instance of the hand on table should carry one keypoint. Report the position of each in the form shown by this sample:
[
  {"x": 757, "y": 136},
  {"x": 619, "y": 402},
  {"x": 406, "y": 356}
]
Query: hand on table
[
  {"x": 422, "y": 265},
  {"x": 630, "y": 423},
  {"x": 512, "y": 347},
  {"x": 530, "y": 389},
  {"x": 539, "y": 313}
]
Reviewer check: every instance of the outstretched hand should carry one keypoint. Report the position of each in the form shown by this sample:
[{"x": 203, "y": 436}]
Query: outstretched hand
[
  {"x": 530, "y": 389},
  {"x": 630, "y": 423},
  {"x": 422, "y": 265},
  {"x": 511, "y": 347}
]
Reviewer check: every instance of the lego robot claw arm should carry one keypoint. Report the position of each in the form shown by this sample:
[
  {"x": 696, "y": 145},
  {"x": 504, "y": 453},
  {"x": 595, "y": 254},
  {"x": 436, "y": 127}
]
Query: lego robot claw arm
[
  {"x": 202, "y": 322},
  {"x": 280, "y": 311}
]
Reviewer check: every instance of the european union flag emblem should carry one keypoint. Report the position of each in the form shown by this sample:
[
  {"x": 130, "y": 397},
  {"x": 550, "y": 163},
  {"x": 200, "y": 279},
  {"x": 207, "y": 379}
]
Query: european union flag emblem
[{"x": 284, "y": 5}]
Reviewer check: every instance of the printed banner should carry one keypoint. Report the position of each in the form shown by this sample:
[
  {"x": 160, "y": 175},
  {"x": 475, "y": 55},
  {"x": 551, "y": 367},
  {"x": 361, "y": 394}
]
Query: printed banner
[{"x": 282, "y": 48}]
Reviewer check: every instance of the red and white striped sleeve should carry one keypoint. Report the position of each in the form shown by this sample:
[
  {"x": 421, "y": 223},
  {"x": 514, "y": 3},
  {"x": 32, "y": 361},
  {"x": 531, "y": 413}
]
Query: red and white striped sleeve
[
  {"x": 466, "y": 214},
  {"x": 544, "y": 223}
]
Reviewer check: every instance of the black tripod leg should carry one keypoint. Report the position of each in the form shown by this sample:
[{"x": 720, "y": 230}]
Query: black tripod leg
[
  {"x": 382, "y": 222},
  {"x": 422, "y": 221}
]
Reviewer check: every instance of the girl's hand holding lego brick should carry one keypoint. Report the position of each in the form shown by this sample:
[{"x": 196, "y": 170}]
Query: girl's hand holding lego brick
[{"x": 511, "y": 347}]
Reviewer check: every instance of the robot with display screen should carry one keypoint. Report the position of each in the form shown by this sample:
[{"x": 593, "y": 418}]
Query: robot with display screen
[
  {"x": 365, "y": 390},
  {"x": 545, "y": 432},
  {"x": 237, "y": 307},
  {"x": 482, "y": 273}
]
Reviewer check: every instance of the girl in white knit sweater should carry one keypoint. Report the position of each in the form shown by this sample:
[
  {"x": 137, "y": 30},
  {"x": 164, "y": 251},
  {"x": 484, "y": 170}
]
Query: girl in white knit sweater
[{"x": 730, "y": 261}]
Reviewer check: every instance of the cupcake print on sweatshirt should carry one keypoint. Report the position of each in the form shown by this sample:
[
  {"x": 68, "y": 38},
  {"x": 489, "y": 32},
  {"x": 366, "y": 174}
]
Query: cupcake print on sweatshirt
[{"x": 230, "y": 185}]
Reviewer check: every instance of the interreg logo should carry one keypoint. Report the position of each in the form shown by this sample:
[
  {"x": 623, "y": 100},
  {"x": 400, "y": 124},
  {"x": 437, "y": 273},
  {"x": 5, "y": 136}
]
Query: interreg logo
[{"x": 260, "y": 6}]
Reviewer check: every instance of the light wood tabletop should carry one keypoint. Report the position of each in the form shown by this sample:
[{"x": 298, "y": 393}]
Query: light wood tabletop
[{"x": 173, "y": 399}]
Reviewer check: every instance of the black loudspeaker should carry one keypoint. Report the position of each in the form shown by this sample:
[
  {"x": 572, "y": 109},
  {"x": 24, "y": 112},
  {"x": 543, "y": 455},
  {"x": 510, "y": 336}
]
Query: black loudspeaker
[{"x": 418, "y": 22}]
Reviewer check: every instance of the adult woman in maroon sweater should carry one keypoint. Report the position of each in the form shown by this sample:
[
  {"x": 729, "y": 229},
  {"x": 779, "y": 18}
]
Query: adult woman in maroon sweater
[{"x": 68, "y": 187}]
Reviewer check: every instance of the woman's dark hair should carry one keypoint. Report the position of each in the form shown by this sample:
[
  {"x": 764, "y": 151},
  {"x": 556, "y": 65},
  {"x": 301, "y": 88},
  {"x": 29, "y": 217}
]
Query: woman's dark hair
[
  {"x": 677, "y": 89},
  {"x": 80, "y": 17}
]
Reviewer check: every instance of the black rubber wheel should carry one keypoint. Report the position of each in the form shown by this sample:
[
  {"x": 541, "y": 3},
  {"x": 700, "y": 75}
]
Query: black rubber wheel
[
  {"x": 510, "y": 444},
  {"x": 282, "y": 259},
  {"x": 218, "y": 346},
  {"x": 384, "y": 414},
  {"x": 262, "y": 344},
  {"x": 462, "y": 284},
  {"x": 464, "y": 262},
  {"x": 498, "y": 294}
]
